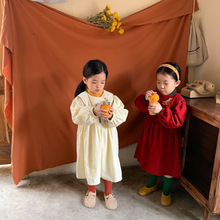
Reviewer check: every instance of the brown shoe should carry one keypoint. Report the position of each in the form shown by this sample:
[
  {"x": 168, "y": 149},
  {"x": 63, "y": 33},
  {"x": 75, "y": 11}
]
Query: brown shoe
[
  {"x": 165, "y": 200},
  {"x": 144, "y": 191},
  {"x": 90, "y": 199},
  {"x": 110, "y": 201}
]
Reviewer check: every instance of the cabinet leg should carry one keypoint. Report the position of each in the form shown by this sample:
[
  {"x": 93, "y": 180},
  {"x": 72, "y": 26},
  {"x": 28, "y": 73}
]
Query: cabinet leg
[{"x": 207, "y": 215}]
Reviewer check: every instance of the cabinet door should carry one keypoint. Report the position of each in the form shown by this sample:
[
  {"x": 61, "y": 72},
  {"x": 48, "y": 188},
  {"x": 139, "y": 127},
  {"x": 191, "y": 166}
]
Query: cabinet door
[{"x": 200, "y": 154}]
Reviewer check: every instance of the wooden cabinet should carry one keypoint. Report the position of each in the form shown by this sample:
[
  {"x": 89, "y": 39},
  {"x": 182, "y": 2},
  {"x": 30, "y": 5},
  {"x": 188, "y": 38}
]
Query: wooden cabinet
[{"x": 201, "y": 154}]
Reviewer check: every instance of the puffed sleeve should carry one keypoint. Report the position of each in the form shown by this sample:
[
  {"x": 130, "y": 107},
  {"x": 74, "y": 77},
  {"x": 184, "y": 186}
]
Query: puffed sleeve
[
  {"x": 175, "y": 117},
  {"x": 142, "y": 104},
  {"x": 82, "y": 114},
  {"x": 119, "y": 113}
]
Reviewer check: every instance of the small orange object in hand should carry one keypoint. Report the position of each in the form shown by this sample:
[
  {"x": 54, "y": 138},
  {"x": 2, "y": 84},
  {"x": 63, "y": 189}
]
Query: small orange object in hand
[
  {"x": 106, "y": 107},
  {"x": 153, "y": 99}
]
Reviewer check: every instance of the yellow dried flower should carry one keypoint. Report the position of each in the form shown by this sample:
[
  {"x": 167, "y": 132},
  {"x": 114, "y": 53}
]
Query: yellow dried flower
[
  {"x": 114, "y": 23},
  {"x": 115, "y": 14},
  {"x": 107, "y": 7},
  {"x": 119, "y": 24},
  {"x": 112, "y": 29},
  {"x": 107, "y": 20},
  {"x": 104, "y": 18},
  {"x": 108, "y": 12},
  {"x": 121, "y": 31}
]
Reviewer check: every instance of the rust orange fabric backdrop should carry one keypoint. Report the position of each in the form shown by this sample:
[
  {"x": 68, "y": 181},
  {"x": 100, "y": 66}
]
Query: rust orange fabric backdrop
[{"x": 45, "y": 51}]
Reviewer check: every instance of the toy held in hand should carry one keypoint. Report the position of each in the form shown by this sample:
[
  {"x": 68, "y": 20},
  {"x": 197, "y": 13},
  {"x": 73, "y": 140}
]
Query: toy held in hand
[
  {"x": 153, "y": 99},
  {"x": 106, "y": 106}
]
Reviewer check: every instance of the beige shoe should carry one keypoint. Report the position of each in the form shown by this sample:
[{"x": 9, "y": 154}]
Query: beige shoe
[
  {"x": 110, "y": 201},
  {"x": 90, "y": 199}
]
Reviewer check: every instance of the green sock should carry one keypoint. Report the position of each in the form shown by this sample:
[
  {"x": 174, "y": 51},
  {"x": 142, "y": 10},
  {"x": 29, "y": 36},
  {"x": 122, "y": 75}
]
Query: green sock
[
  {"x": 152, "y": 181},
  {"x": 167, "y": 183}
]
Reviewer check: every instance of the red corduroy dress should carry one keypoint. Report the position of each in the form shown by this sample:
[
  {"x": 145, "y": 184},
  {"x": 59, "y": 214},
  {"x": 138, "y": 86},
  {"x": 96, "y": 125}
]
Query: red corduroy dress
[{"x": 159, "y": 146}]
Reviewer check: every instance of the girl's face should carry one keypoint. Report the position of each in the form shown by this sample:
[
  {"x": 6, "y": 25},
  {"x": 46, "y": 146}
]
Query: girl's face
[
  {"x": 95, "y": 83},
  {"x": 166, "y": 83}
]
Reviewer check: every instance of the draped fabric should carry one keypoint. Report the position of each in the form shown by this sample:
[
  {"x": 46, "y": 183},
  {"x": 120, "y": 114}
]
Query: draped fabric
[{"x": 45, "y": 51}]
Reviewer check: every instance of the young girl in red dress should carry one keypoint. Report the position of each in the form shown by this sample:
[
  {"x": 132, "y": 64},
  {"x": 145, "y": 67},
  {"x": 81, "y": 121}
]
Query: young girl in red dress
[{"x": 158, "y": 148}]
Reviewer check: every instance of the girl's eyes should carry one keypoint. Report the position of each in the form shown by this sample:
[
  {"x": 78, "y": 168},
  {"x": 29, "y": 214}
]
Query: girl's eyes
[
  {"x": 164, "y": 83},
  {"x": 96, "y": 83}
]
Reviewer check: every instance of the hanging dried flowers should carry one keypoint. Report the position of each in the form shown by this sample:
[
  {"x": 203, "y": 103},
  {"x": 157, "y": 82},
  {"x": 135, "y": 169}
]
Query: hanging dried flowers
[{"x": 107, "y": 20}]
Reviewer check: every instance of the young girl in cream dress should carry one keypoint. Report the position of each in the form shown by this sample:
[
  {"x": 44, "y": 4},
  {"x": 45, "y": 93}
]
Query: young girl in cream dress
[{"x": 97, "y": 137}]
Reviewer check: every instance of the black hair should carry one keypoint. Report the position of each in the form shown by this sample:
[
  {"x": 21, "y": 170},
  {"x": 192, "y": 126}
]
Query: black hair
[
  {"x": 91, "y": 68},
  {"x": 167, "y": 70}
]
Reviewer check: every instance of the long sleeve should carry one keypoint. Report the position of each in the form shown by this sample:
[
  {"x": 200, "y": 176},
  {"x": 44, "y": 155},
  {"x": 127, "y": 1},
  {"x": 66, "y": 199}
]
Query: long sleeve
[
  {"x": 141, "y": 104},
  {"x": 82, "y": 114},
  {"x": 119, "y": 113},
  {"x": 175, "y": 117}
]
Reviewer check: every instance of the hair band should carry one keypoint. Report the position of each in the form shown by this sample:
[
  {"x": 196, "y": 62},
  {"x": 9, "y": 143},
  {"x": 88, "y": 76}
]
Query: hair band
[{"x": 172, "y": 68}]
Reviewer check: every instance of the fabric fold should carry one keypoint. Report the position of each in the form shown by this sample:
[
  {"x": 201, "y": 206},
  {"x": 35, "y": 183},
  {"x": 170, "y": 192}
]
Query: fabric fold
[{"x": 45, "y": 51}]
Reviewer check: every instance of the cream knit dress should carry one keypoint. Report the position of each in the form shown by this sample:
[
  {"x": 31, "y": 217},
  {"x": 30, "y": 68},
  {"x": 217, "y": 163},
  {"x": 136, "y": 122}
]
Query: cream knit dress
[{"x": 97, "y": 142}]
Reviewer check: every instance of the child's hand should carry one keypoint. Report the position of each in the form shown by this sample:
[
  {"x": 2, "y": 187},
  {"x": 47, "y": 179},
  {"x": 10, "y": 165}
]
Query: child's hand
[
  {"x": 101, "y": 113},
  {"x": 110, "y": 113},
  {"x": 148, "y": 94},
  {"x": 155, "y": 108}
]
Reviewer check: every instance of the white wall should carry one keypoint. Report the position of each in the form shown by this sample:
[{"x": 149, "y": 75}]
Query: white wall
[
  {"x": 84, "y": 8},
  {"x": 209, "y": 17}
]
